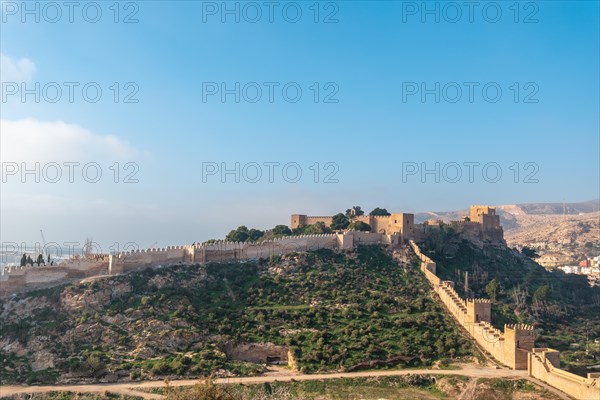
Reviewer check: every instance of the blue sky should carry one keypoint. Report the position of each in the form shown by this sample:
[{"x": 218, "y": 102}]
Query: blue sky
[{"x": 368, "y": 57}]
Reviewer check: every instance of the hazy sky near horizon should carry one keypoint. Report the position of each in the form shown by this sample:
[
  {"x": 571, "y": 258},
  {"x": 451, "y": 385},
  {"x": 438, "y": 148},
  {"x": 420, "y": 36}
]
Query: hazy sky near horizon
[{"x": 335, "y": 103}]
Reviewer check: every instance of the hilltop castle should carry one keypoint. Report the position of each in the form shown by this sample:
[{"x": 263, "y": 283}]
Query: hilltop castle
[
  {"x": 513, "y": 346},
  {"x": 482, "y": 221},
  {"x": 402, "y": 224}
]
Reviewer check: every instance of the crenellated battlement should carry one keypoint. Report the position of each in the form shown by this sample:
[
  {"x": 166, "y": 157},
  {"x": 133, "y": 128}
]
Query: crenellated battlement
[
  {"x": 518, "y": 327},
  {"x": 485, "y": 301},
  {"x": 227, "y": 251}
]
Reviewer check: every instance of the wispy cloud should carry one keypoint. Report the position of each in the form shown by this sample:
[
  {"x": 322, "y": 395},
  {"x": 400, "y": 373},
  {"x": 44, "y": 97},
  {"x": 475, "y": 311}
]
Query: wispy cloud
[
  {"x": 30, "y": 140},
  {"x": 12, "y": 70}
]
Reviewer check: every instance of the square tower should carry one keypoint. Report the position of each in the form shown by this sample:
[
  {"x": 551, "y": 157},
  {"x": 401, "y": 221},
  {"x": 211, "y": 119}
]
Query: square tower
[
  {"x": 522, "y": 336},
  {"x": 403, "y": 224},
  {"x": 298, "y": 220},
  {"x": 486, "y": 216},
  {"x": 479, "y": 310},
  {"x": 519, "y": 340}
]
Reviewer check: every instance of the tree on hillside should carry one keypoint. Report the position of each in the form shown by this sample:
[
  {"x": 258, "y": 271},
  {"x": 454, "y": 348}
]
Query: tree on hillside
[
  {"x": 355, "y": 211},
  {"x": 317, "y": 228},
  {"x": 529, "y": 252},
  {"x": 281, "y": 230},
  {"x": 255, "y": 234},
  {"x": 360, "y": 226},
  {"x": 541, "y": 294},
  {"x": 492, "y": 289},
  {"x": 379, "y": 211},
  {"x": 243, "y": 234},
  {"x": 339, "y": 221},
  {"x": 238, "y": 235}
]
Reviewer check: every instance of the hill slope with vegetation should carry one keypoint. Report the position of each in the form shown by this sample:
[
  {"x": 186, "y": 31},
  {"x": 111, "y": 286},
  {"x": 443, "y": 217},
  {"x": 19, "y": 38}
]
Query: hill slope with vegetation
[
  {"x": 563, "y": 307},
  {"x": 333, "y": 310}
]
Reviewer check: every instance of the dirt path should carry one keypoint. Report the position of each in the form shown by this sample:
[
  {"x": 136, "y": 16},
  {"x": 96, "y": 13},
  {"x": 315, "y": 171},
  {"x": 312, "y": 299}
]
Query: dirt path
[
  {"x": 277, "y": 375},
  {"x": 469, "y": 391},
  {"x": 133, "y": 388}
]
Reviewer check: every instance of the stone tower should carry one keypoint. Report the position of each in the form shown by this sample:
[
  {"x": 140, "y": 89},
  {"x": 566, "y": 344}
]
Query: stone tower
[
  {"x": 298, "y": 220},
  {"x": 479, "y": 310},
  {"x": 486, "y": 216},
  {"x": 519, "y": 339}
]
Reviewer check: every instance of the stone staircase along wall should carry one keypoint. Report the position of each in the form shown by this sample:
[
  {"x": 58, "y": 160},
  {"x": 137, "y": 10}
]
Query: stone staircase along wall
[{"x": 515, "y": 345}]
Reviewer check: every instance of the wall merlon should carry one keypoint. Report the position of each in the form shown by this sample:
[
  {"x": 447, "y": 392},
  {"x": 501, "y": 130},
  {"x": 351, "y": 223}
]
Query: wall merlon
[
  {"x": 523, "y": 327},
  {"x": 484, "y": 301}
]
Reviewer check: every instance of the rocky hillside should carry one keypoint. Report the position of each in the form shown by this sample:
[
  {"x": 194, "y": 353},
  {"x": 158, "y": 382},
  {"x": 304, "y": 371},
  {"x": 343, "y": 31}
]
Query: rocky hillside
[
  {"x": 332, "y": 311},
  {"x": 558, "y": 239}
]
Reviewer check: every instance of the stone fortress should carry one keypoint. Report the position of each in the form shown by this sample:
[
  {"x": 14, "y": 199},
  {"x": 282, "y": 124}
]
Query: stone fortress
[
  {"x": 402, "y": 224},
  {"x": 482, "y": 221},
  {"x": 393, "y": 229},
  {"x": 513, "y": 346}
]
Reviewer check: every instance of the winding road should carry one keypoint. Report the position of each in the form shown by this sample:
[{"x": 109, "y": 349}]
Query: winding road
[{"x": 280, "y": 375}]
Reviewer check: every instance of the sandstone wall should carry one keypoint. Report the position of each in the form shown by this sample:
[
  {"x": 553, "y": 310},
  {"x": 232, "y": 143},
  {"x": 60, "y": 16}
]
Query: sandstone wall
[
  {"x": 544, "y": 364},
  {"x": 139, "y": 259},
  {"x": 515, "y": 345},
  {"x": 313, "y": 220},
  {"x": 228, "y": 251},
  {"x": 19, "y": 279},
  {"x": 475, "y": 316},
  {"x": 16, "y": 279},
  {"x": 367, "y": 238}
]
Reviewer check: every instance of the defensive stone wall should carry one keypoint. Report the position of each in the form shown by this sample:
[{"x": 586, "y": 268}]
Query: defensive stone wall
[
  {"x": 237, "y": 251},
  {"x": 544, "y": 364},
  {"x": 139, "y": 259},
  {"x": 17, "y": 279},
  {"x": 314, "y": 220},
  {"x": 243, "y": 251},
  {"x": 515, "y": 345}
]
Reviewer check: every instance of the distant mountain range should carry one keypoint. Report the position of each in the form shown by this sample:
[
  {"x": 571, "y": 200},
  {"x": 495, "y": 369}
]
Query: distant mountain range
[
  {"x": 561, "y": 208},
  {"x": 509, "y": 213}
]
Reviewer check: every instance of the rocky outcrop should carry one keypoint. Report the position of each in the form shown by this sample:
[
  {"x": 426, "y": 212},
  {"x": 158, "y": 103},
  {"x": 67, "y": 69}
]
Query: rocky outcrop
[{"x": 260, "y": 353}]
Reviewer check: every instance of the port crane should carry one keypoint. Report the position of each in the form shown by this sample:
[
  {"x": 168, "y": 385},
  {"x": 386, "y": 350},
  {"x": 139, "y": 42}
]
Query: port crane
[{"x": 43, "y": 243}]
